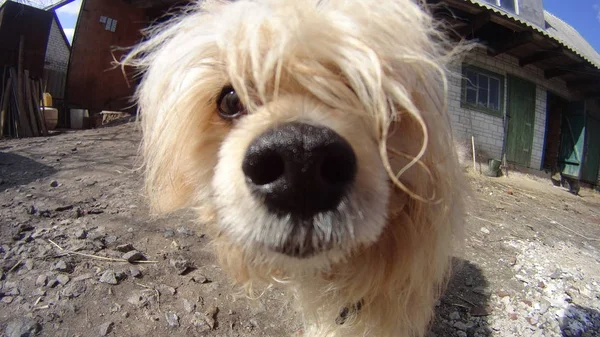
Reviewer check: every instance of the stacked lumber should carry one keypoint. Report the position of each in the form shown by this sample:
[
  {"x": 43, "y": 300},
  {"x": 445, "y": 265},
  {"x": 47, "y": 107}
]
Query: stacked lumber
[{"x": 20, "y": 114}]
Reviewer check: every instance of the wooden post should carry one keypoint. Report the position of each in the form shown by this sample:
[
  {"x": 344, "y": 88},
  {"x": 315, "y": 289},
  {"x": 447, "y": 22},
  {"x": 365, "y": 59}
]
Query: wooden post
[
  {"x": 17, "y": 118},
  {"x": 36, "y": 106},
  {"x": 36, "y": 125},
  {"x": 5, "y": 99},
  {"x": 22, "y": 110},
  {"x": 474, "y": 156}
]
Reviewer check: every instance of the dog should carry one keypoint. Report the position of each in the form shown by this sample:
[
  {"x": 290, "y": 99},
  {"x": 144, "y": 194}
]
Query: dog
[{"x": 312, "y": 137}]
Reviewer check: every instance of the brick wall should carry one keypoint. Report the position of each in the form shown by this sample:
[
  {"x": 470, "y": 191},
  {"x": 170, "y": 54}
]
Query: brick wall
[
  {"x": 56, "y": 62},
  {"x": 57, "y": 52},
  {"x": 489, "y": 130}
]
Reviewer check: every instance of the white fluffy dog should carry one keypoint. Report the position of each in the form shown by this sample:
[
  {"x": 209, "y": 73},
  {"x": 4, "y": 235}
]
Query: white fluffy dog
[{"x": 313, "y": 137}]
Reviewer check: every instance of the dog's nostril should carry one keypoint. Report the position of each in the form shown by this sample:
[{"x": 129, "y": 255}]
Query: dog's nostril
[{"x": 263, "y": 168}]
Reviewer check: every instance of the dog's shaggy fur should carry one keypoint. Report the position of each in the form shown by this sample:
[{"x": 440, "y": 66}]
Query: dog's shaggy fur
[{"x": 374, "y": 72}]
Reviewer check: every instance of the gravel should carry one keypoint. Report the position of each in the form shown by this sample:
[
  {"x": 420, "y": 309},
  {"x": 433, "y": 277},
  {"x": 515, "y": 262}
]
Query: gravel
[
  {"x": 172, "y": 319},
  {"x": 22, "y": 327},
  {"x": 109, "y": 277}
]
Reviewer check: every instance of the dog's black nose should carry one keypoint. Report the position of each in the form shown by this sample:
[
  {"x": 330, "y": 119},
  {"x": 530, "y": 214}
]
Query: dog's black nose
[{"x": 300, "y": 169}]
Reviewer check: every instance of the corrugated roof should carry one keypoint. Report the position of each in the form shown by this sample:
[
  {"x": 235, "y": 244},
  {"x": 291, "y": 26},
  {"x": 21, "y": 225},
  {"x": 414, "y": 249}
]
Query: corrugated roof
[
  {"x": 557, "y": 30},
  {"x": 570, "y": 37}
]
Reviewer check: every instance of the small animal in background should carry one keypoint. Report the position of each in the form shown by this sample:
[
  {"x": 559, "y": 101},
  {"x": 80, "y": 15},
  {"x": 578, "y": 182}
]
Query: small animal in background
[{"x": 312, "y": 138}]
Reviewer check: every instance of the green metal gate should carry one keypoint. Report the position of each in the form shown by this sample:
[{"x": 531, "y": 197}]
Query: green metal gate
[
  {"x": 591, "y": 158},
  {"x": 572, "y": 140},
  {"x": 521, "y": 119}
]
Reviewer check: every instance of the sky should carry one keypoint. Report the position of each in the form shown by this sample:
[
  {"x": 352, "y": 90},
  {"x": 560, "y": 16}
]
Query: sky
[
  {"x": 583, "y": 15},
  {"x": 67, "y": 15}
]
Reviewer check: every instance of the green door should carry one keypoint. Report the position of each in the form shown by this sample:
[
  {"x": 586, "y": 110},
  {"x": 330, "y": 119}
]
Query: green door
[
  {"x": 572, "y": 140},
  {"x": 521, "y": 118},
  {"x": 591, "y": 159}
]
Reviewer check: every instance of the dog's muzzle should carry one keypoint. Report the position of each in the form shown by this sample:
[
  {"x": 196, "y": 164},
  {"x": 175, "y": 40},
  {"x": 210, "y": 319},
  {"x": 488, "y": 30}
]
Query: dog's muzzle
[{"x": 300, "y": 170}]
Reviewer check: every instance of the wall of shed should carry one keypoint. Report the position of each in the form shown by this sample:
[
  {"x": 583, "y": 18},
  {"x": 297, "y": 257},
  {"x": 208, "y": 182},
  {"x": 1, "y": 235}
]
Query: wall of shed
[
  {"x": 94, "y": 83},
  {"x": 33, "y": 25},
  {"x": 489, "y": 130}
]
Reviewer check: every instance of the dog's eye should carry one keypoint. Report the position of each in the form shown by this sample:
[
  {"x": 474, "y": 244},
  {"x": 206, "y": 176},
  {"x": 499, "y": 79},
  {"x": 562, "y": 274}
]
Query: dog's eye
[{"x": 229, "y": 104}]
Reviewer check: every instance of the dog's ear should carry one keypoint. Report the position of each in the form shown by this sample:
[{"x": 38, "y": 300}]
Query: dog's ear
[
  {"x": 165, "y": 182},
  {"x": 181, "y": 136},
  {"x": 180, "y": 146},
  {"x": 177, "y": 101}
]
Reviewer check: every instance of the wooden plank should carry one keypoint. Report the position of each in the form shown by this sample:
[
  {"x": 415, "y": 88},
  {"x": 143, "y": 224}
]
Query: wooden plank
[
  {"x": 4, "y": 115},
  {"x": 572, "y": 139},
  {"x": 24, "y": 129},
  {"x": 516, "y": 40},
  {"x": 24, "y": 122},
  {"x": 521, "y": 112},
  {"x": 591, "y": 158},
  {"x": 40, "y": 91},
  {"x": 478, "y": 21},
  {"x": 592, "y": 95},
  {"x": 540, "y": 56},
  {"x": 584, "y": 85},
  {"x": 36, "y": 96},
  {"x": 33, "y": 116},
  {"x": 35, "y": 101},
  {"x": 13, "y": 107},
  {"x": 560, "y": 71},
  {"x": 3, "y": 83}
]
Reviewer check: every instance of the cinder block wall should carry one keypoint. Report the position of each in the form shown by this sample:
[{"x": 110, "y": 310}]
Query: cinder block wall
[
  {"x": 489, "y": 130},
  {"x": 57, "y": 52},
  {"x": 56, "y": 63}
]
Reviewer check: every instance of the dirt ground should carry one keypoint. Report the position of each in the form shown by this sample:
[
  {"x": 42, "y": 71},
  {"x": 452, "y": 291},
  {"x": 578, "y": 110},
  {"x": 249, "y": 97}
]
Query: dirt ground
[{"x": 71, "y": 210}]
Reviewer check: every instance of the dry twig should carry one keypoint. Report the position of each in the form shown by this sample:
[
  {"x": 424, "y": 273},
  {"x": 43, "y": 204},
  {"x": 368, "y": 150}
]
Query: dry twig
[
  {"x": 42, "y": 307},
  {"x": 486, "y": 220},
  {"x": 464, "y": 299},
  {"x": 510, "y": 237},
  {"x": 155, "y": 290},
  {"x": 460, "y": 305},
  {"x": 109, "y": 259},
  {"x": 15, "y": 266},
  {"x": 554, "y": 222}
]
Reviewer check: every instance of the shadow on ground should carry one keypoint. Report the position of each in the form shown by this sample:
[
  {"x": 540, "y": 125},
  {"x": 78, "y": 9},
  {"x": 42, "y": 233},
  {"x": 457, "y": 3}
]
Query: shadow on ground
[
  {"x": 16, "y": 170},
  {"x": 580, "y": 321},
  {"x": 464, "y": 305}
]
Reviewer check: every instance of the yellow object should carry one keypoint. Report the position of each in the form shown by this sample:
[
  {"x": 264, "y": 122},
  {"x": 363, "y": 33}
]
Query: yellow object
[{"x": 47, "y": 100}]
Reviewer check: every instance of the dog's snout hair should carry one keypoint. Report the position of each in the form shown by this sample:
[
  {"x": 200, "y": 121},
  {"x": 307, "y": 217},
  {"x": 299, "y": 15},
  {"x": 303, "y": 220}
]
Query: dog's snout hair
[{"x": 313, "y": 139}]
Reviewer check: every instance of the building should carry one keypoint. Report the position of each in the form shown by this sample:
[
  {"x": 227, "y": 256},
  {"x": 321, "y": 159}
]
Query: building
[
  {"x": 56, "y": 63},
  {"x": 531, "y": 93},
  {"x": 103, "y": 27},
  {"x": 45, "y": 49}
]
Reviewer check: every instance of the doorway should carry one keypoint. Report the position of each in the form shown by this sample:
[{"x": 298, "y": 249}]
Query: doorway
[{"x": 521, "y": 118}]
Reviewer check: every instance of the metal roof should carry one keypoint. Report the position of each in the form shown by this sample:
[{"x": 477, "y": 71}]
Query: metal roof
[{"x": 556, "y": 29}]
